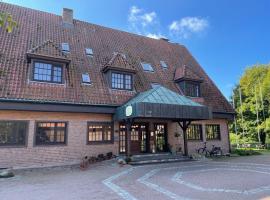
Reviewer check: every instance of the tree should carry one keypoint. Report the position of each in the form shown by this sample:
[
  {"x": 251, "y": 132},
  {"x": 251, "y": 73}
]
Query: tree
[
  {"x": 253, "y": 115},
  {"x": 7, "y": 21}
]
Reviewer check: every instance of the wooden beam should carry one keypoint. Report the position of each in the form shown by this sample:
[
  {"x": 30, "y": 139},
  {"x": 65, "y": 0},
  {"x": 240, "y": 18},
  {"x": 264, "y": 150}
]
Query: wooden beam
[
  {"x": 128, "y": 123},
  {"x": 184, "y": 125}
]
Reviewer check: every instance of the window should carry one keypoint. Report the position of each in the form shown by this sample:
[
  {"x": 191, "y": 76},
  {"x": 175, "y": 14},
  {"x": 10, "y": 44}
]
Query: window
[
  {"x": 86, "y": 78},
  {"x": 212, "y": 132},
  {"x": 155, "y": 85},
  {"x": 121, "y": 81},
  {"x": 65, "y": 47},
  {"x": 191, "y": 89},
  {"x": 194, "y": 132},
  {"x": 47, "y": 72},
  {"x": 89, "y": 52},
  {"x": 164, "y": 65},
  {"x": 100, "y": 132},
  {"x": 147, "y": 67},
  {"x": 135, "y": 133},
  {"x": 13, "y": 132},
  {"x": 51, "y": 133}
]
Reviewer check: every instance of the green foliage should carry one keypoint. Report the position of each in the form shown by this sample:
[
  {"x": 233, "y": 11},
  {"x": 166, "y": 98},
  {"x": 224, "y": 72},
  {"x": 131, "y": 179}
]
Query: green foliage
[
  {"x": 7, "y": 21},
  {"x": 255, "y": 91},
  {"x": 245, "y": 152}
]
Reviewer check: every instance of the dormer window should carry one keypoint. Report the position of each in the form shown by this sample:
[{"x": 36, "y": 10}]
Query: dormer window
[
  {"x": 147, "y": 67},
  {"x": 47, "y": 72},
  {"x": 121, "y": 81},
  {"x": 89, "y": 52},
  {"x": 86, "y": 78},
  {"x": 163, "y": 64},
  {"x": 65, "y": 47},
  {"x": 190, "y": 88}
]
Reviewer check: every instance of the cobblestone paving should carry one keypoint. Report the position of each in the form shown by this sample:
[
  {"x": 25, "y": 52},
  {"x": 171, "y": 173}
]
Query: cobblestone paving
[{"x": 246, "y": 178}]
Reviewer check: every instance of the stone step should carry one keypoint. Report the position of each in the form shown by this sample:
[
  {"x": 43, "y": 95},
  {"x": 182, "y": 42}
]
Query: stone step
[
  {"x": 150, "y": 155},
  {"x": 156, "y": 157},
  {"x": 159, "y": 161}
]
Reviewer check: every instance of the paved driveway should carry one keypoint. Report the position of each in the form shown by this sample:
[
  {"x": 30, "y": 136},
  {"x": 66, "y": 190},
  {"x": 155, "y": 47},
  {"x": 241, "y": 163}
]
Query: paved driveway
[{"x": 233, "y": 178}]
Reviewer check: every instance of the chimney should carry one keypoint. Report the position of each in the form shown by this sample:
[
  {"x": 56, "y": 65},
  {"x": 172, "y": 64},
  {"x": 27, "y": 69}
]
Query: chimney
[{"x": 67, "y": 16}]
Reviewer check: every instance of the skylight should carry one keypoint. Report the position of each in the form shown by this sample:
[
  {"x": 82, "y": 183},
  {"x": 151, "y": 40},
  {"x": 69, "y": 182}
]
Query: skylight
[
  {"x": 86, "y": 78},
  {"x": 163, "y": 64},
  {"x": 147, "y": 67},
  {"x": 65, "y": 47},
  {"x": 89, "y": 51}
]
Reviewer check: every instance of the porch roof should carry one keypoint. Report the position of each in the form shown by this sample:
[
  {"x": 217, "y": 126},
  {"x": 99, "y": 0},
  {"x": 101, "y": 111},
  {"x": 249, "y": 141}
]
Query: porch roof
[{"x": 162, "y": 103}]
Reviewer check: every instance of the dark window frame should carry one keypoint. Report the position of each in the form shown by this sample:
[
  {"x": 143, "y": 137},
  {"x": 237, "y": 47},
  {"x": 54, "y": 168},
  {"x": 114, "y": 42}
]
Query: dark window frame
[
  {"x": 194, "y": 138},
  {"x": 183, "y": 87},
  {"x": 51, "y": 143},
  {"x": 213, "y": 138},
  {"x": 54, "y": 65},
  {"x": 103, "y": 130},
  {"x": 25, "y": 136},
  {"x": 124, "y": 80}
]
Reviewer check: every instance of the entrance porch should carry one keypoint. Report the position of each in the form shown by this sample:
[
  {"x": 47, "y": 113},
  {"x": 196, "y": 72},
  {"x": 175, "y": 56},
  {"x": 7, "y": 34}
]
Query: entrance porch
[{"x": 158, "y": 104}]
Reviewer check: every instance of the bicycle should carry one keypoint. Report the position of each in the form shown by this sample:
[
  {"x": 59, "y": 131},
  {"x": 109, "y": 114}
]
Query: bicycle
[
  {"x": 203, "y": 150},
  {"x": 216, "y": 151}
]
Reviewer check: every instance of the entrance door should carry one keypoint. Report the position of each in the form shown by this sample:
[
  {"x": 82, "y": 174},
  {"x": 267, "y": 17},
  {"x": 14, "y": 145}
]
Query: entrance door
[
  {"x": 161, "y": 137},
  {"x": 139, "y": 138}
]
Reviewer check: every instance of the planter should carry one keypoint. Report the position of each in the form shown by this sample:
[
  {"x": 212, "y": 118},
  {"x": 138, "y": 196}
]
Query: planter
[{"x": 6, "y": 173}]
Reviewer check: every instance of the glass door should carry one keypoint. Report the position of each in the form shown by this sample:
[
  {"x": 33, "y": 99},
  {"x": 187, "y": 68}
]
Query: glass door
[{"x": 161, "y": 137}]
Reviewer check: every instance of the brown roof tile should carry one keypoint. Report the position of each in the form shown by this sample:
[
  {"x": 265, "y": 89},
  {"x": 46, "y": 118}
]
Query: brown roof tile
[
  {"x": 118, "y": 62},
  {"x": 35, "y": 27},
  {"x": 185, "y": 73}
]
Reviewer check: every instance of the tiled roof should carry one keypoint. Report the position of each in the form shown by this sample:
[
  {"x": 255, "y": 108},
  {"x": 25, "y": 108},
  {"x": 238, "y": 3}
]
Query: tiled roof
[
  {"x": 35, "y": 27},
  {"x": 185, "y": 73},
  {"x": 118, "y": 62}
]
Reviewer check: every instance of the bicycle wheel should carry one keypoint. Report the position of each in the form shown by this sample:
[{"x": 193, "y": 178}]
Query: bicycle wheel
[
  {"x": 207, "y": 153},
  {"x": 200, "y": 150}
]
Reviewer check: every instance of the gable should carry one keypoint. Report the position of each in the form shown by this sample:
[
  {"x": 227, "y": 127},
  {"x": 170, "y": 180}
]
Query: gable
[
  {"x": 47, "y": 50},
  {"x": 118, "y": 62}
]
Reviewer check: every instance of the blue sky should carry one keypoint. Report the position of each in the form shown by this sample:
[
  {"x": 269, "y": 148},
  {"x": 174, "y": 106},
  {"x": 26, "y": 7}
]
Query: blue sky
[{"x": 225, "y": 36}]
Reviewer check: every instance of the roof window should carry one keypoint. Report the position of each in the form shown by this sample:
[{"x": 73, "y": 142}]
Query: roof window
[
  {"x": 147, "y": 67},
  {"x": 86, "y": 78}
]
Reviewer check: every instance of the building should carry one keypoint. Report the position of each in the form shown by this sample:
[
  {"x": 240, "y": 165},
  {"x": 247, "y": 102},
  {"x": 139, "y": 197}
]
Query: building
[{"x": 69, "y": 88}]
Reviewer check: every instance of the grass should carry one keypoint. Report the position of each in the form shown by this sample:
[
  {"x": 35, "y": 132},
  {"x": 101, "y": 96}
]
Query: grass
[{"x": 250, "y": 151}]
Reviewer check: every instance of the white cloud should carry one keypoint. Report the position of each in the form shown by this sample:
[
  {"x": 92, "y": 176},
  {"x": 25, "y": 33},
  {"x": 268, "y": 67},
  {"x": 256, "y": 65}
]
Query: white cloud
[
  {"x": 155, "y": 36},
  {"x": 138, "y": 17},
  {"x": 188, "y": 25}
]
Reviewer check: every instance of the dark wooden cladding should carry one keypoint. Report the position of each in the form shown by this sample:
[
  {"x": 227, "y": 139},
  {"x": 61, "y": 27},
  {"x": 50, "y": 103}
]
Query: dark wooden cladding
[
  {"x": 166, "y": 111},
  {"x": 54, "y": 107}
]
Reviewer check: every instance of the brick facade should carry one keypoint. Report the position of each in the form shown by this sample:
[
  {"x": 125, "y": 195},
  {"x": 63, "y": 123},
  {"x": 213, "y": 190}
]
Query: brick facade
[
  {"x": 52, "y": 155},
  {"x": 76, "y": 147}
]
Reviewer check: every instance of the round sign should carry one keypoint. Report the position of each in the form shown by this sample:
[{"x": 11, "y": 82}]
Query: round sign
[{"x": 128, "y": 111}]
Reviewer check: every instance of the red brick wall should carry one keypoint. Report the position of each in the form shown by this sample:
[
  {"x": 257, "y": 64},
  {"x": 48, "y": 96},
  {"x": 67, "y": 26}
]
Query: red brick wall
[
  {"x": 76, "y": 148},
  {"x": 193, "y": 145},
  {"x": 38, "y": 156}
]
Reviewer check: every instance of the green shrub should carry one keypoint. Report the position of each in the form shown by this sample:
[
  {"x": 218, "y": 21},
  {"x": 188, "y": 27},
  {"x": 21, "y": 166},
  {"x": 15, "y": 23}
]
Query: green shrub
[{"x": 245, "y": 152}]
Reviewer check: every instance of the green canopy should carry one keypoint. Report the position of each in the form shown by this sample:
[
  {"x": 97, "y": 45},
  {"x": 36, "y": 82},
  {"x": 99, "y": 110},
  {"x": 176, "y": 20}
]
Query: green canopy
[{"x": 162, "y": 103}]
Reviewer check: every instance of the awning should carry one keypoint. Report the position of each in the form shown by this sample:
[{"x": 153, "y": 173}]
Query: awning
[{"x": 162, "y": 103}]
